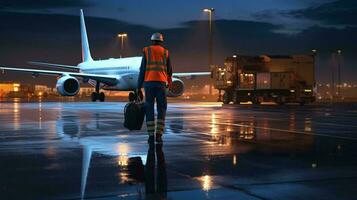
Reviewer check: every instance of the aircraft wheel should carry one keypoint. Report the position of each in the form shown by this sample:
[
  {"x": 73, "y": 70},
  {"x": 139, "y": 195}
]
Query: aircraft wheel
[
  {"x": 94, "y": 96},
  {"x": 102, "y": 97}
]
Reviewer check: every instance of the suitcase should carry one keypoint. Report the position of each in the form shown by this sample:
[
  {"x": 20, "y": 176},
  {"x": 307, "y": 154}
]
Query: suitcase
[{"x": 134, "y": 115}]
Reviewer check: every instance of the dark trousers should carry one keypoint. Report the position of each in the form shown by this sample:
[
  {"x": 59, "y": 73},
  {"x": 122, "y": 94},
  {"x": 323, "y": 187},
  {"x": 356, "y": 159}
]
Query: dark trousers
[{"x": 157, "y": 94}]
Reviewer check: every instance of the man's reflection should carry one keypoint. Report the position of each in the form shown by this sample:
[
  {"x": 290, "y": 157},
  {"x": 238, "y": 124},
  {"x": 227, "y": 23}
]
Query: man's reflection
[{"x": 156, "y": 190}]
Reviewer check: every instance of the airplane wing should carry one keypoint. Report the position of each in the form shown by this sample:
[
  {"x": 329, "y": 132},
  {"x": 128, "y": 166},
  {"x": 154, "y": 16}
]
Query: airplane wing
[
  {"x": 107, "y": 79},
  {"x": 52, "y": 65},
  {"x": 191, "y": 74}
]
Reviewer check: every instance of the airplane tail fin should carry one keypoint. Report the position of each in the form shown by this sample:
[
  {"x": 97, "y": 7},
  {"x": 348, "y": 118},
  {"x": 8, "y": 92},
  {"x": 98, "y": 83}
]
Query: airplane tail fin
[{"x": 86, "y": 56}]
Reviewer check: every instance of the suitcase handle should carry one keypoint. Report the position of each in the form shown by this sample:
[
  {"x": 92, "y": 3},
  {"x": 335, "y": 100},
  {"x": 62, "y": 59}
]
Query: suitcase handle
[{"x": 137, "y": 100}]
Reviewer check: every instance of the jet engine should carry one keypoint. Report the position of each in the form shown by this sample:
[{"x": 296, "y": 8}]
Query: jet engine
[
  {"x": 67, "y": 86},
  {"x": 177, "y": 88}
]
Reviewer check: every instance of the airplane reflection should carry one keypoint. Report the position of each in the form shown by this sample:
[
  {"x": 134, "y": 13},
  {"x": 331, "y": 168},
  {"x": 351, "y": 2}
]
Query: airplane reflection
[
  {"x": 155, "y": 181},
  {"x": 69, "y": 128}
]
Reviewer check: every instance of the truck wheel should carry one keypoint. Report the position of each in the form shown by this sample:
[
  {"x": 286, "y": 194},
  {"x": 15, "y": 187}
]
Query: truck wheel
[
  {"x": 256, "y": 100},
  {"x": 226, "y": 98},
  {"x": 236, "y": 99},
  {"x": 280, "y": 100}
]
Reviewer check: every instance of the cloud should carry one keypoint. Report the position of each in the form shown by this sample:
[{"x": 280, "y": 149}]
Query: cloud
[
  {"x": 336, "y": 13},
  {"x": 18, "y": 5}
]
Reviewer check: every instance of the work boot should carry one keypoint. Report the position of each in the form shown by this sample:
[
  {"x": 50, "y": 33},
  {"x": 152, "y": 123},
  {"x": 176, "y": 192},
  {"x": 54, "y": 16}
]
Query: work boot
[
  {"x": 151, "y": 139},
  {"x": 159, "y": 139}
]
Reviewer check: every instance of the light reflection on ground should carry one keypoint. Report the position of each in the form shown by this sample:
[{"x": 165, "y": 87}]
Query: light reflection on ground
[{"x": 81, "y": 150}]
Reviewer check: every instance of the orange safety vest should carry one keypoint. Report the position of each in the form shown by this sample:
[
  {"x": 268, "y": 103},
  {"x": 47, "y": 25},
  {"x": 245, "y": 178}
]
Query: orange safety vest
[{"x": 156, "y": 63}]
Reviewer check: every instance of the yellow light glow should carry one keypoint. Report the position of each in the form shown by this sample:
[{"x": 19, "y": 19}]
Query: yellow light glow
[
  {"x": 214, "y": 128},
  {"x": 122, "y": 35},
  {"x": 234, "y": 159},
  {"x": 206, "y": 182},
  {"x": 16, "y": 89},
  {"x": 292, "y": 90},
  {"x": 40, "y": 94},
  {"x": 123, "y": 161},
  {"x": 307, "y": 90},
  {"x": 122, "y": 151},
  {"x": 124, "y": 177}
]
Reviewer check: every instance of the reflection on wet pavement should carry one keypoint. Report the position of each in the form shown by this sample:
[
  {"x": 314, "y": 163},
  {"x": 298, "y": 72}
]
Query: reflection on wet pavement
[{"x": 81, "y": 150}]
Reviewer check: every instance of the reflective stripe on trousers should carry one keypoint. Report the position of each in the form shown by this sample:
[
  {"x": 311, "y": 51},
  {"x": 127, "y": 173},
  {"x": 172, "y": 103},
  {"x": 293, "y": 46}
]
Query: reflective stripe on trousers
[
  {"x": 157, "y": 94},
  {"x": 160, "y": 126},
  {"x": 150, "y": 127}
]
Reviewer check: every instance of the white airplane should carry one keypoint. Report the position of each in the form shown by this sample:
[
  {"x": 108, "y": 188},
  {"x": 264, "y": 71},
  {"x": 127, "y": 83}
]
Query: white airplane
[{"x": 119, "y": 74}]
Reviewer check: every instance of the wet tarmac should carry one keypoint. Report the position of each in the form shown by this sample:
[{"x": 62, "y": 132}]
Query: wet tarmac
[{"x": 80, "y": 150}]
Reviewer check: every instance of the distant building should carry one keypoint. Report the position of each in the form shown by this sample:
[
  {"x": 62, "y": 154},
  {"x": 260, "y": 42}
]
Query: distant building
[
  {"x": 10, "y": 89},
  {"x": 42, "y": 90},
  {"x": 5, "y": 88}
]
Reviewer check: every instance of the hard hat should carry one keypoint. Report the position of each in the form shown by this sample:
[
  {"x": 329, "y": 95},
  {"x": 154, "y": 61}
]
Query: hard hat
[{"x": 157, "y": 37}]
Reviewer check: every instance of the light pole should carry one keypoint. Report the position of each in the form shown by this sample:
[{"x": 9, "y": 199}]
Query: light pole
[
  {"x": 210, "y": 42},
  {"x": 122, "y": 36},
  {"x": 314, "y": 54},
  {"x": 210, "y": 39},
  {"x": 339, "y": 52}
]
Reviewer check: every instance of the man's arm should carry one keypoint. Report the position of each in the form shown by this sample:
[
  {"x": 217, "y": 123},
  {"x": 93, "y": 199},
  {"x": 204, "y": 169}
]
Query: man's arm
[
  {"x": 169, "y": 72},
  {"x": 169, "y": 67},
  {"x": 142, "y": 72}
]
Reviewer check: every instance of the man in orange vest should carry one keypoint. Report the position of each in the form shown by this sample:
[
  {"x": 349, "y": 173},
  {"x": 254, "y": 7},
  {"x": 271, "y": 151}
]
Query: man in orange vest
[{"x": 155, "y": 75}]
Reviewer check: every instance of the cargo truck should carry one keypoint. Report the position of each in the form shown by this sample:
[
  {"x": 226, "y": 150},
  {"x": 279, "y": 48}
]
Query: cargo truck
[{"x": 281, "y": 79}]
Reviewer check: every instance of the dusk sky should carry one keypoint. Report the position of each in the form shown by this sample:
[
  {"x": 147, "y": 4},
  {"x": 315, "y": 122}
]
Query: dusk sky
[{"x": 46, "y": 30}]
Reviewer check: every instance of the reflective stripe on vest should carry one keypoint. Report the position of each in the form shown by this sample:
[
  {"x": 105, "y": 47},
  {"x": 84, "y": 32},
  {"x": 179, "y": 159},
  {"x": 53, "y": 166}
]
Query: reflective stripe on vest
[{"x": 156, "y": 63}]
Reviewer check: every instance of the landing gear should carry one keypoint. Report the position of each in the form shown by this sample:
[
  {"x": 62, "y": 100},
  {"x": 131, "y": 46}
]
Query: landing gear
[
  {"x": 96, "y": 95},
  {"x": 102, "y": 97}
]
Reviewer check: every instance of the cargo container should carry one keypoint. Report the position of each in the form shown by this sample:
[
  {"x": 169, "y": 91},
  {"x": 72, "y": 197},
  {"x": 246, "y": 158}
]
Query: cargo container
[{"x": 282, "y": 79}]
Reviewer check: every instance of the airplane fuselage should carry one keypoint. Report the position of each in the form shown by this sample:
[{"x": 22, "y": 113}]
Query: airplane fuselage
[{"x": 126, "y": 70}]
